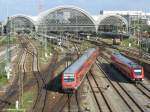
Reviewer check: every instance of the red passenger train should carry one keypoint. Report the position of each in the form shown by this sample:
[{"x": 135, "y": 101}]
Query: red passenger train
[
  {"x": 73, "y": 76},
  {"x": 130, "y": 69}
]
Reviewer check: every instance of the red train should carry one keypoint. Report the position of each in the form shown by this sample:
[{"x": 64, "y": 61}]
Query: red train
[
  {"x": 130, "y": 69},
  {"x": 73, "y": 76}
]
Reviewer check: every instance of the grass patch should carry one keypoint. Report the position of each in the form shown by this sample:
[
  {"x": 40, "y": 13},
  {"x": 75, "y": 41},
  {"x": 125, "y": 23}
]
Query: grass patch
[
  {"x": 28, "y": 99},
  {"x": 2, "y": 68},
  {"x": 85, "y": 45},
  {"x": 133, "y": 42},
  {"x": 4, "y": 40},
  {"x": 3, "y": 78},
  {"x": 42, "y": 52},
  {"x": 14, "y": 110}
]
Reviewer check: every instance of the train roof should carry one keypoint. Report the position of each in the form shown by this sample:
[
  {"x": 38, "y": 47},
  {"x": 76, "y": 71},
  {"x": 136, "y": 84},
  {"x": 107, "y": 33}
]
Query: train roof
[
  {"x": 126, "y": 60},
  {"x": 78, "y": 63}
]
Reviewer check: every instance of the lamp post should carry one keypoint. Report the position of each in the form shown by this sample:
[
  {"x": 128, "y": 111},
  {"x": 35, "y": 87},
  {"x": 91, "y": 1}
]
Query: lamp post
[
  {"x": 8, "y": 51},
  {"x": 45, "y": 41}
]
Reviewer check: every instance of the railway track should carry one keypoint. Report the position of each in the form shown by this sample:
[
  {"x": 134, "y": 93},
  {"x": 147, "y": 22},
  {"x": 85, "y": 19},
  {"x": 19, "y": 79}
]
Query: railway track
[
  {"x": 14, "y": 91},
  {"x": 130, "y": 99},
  {"x": 77, "y": 96},
  {"x": 136, "y": 52},
  {"x": 74, "y": 102},
  {"x": 97, "y": 96},
  {"x": 39, "y": 103},
  {"x": 71, "y": 101},
  {"x": 144, "y": 89},
  {"x": 39, "y": 78}
]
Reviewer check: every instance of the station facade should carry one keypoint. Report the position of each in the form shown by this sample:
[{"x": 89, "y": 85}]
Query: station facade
[
  {"x": 74, "y": 19},
  {"x": 20, "y": 23},
  {"x": 66, "y": 19}
]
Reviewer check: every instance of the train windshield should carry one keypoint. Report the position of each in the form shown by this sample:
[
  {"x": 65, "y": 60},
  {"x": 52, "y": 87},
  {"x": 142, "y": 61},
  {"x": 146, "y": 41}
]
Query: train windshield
[
  {"x": 68, "y": 77},
  {"x": 134, "y": 65},
  {"x": 138, "y": 71}
]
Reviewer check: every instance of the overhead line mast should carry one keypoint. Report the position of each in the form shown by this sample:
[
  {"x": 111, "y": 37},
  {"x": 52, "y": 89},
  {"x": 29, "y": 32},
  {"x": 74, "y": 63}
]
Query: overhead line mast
[
  {"x": 40, "y": 6},
  {"x": 44, "y": 39}
]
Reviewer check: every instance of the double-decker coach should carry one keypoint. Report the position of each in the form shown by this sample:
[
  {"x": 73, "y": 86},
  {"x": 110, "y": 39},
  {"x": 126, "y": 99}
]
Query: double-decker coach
[
  {"x": 129, "y": 68},
  {"x": 73, "y": 76}
]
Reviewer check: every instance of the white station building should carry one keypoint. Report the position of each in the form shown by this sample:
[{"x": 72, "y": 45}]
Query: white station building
[{"x": 75, "y": 19}]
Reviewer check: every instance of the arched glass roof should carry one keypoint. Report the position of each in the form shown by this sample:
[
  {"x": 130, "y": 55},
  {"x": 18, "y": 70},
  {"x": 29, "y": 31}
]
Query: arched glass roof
[
  {"x": 112, "y": 22},
  {"x": 20, "y": 23},
  {"x": 66, "y": 18}
]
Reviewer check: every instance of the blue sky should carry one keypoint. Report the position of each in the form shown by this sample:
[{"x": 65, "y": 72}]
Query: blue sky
[{"x": 30, "y": 7}]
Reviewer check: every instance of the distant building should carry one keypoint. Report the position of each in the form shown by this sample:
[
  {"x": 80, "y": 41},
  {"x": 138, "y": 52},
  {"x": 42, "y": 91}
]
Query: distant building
[
  {"x": 148, "y": 17},
  {"x": 136, "y": 19},
  {"x": 132, "y": 15}
]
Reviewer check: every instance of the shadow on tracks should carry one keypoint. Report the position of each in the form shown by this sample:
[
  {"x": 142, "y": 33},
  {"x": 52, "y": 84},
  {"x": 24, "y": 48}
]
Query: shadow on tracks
[
  {"x": 54, "y": 85},
  {"x": 114, "y": 74},
  {"x": 144, "y": 64}
]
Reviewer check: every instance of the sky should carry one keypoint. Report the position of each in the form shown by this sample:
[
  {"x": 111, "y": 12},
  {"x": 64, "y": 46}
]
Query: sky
[{"x": 30, "y": 7}]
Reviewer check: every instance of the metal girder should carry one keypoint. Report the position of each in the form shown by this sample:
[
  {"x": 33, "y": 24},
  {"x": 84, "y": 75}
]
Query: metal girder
[{"x": 67, "y": 19}]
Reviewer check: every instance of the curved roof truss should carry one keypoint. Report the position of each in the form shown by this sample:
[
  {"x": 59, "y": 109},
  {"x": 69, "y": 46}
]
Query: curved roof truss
[
  {"x": 113, "y": 20},
  {"x": 117, "y": 17},
  {"x": 20, "y": 22},
  {"x": 43, "y": 16}
]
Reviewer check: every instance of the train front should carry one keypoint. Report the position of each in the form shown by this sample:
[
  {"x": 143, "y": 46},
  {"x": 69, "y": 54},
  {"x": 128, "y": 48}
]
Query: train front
[
  {"x": 68, "y": 81},
  {"x": 138, "y": 73}
]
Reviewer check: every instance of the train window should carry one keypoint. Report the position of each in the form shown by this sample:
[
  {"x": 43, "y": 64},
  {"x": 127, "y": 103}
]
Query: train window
[
  {"x": 134, "y": 65},
  {"x": 69, "y": 80},
  {"x": 68, "y": 77},
  {"x": 116, "y": 53},
  {"x": 138, "y": 72}
]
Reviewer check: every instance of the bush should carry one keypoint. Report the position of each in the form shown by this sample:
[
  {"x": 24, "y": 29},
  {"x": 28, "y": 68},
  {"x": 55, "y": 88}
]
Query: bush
[
  {"x": 4, "y": 40},
  {"x": 2, "y": 69}
]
